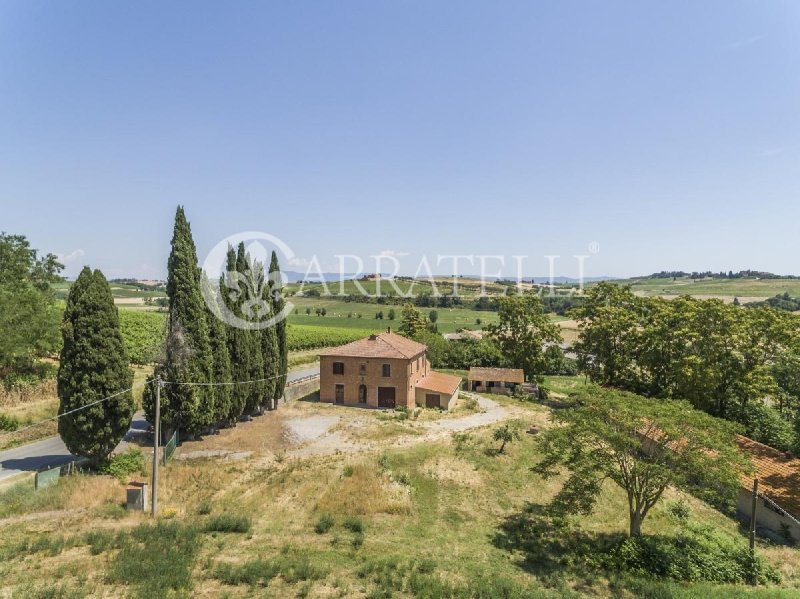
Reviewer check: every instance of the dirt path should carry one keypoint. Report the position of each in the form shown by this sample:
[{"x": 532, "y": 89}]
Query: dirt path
[{"x": 322, "y": 437}]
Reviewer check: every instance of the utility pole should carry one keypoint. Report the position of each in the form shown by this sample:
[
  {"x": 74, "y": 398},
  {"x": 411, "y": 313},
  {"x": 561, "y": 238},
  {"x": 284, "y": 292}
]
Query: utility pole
[
  {"x": 753, "y": 508},
  {"x": 156, "y": 443}
]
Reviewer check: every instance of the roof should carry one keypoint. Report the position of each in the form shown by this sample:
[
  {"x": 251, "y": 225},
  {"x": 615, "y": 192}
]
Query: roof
[
  {"x": 439, "y": 382},
  {"x": 382, "y": 345},
  {"x": 506, "y": 375},
  {"x": 778, "y": 474},
  {"x": 464, "y": 334}
]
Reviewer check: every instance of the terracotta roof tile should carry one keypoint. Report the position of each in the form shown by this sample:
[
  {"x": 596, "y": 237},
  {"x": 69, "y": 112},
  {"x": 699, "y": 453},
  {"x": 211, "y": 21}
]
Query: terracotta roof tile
[
  {"x": 382, "y": 345},
  {"x": 507, "y": 375},
  {"x": 778, "y": 474},
  {"x": 438, "y": 382}
]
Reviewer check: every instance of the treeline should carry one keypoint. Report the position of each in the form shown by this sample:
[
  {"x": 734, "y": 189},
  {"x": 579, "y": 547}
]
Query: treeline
[
  {"x": 553, "y": 304},
  {"x": 217, "y": 371},
  {"x": 524, "y": 337},
  {"x": 780, "y": 302},
  {"x": 140, "y": 286},
  {"x": 29, "y": 312},
  {"x": 742, "y": 274},
  {"x": 734, "y": 363}
]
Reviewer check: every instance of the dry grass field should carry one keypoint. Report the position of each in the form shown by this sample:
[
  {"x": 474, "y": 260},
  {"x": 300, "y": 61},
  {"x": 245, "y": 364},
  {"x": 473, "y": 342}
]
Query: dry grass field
[{"x": 315, "y": 500}]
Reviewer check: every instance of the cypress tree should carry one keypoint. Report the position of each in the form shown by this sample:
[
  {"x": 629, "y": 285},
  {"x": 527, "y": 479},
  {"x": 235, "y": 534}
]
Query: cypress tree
[
  {"x": 218, "y": 333},
  {"x": 269, "y": 345},
  {"x": 93, "y": 365},
  {"x": 188, "y": 352},
  {"x": 278, "y": 304},
  {"x": 255, "y": 391},
  {"x": 237, "y": 345}
]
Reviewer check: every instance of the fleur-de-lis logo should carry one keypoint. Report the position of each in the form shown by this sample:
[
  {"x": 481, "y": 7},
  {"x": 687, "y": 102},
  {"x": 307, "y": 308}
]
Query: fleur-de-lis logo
[{"x": 246, "y": 299}]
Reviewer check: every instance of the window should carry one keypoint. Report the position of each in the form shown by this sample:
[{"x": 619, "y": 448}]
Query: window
[
  {"x": 338, "y": 368},
  {"x": 387, "y": 370},
  {"x": 362, "y": 369}
]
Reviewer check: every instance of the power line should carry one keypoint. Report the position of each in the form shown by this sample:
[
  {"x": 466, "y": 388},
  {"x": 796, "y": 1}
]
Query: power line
[{"x": 94, "y": 403}]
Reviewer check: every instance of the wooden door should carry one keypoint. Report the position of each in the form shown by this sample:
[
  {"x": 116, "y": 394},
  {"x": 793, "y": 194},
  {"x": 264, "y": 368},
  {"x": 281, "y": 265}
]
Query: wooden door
[{"x": 386, "y": 397}]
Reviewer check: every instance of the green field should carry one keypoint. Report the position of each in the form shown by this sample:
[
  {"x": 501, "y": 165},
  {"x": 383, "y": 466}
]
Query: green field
[
  {"x": 444, "y": 286},
  {"x": 345, "y": 314},
  {"x": 723, "y": 288}
]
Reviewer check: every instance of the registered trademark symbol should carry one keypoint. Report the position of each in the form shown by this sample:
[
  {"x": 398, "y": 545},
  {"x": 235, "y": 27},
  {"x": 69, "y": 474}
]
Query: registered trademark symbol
[{"x": 594, "y": 247}]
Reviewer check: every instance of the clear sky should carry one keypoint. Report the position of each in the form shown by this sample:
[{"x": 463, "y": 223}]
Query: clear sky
[{"x": 668, "y": 133}]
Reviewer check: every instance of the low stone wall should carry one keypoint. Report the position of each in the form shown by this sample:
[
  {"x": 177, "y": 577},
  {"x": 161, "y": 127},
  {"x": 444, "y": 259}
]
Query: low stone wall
[{"x": 301, "y": 388}]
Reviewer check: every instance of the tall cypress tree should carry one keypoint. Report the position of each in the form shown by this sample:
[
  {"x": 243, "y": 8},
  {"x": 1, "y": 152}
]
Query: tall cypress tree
[
  {"x": 255, "y": 361},
  {"x": 93, "y": 365},
  {"x": 218, "y": 333},
  {"x": 188, "y": 355},
  {"x": 238, "y": 344},
  {"x": 278, "y": 304},
  {"x": 269, "y": 344}
]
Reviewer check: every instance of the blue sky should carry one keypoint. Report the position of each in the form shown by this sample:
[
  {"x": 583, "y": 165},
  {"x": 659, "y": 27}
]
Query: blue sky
[{"x": 666, "y": 133}]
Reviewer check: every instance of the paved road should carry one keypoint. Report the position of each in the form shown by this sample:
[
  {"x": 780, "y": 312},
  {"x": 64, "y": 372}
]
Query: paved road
[{"x": 51, "y": 452}]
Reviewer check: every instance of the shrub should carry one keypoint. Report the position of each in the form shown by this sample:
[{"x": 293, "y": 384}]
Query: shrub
[
  {"x": 679, "y": 510},
  {"x": 324, "y": 524},
  {"x": 699, "y": 555},
  {"x": 358, "y": 540},
  {"x": 354, "y": 524},
  {"x": 347, "y": 471},
  {"x": 8, "y": 423},
  {"x": 100, "y": 541},
  {"x": 291, "y": 566},
  {"x": 228, "y": 523},
  {"x": 124, "y": 464},
  {"x": 204, "y": 508}
]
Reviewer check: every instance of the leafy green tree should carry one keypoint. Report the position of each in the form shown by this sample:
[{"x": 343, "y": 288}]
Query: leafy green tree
[
  {"x": 523, "y": 332},
  {"x": 28, "y": 313},
  {"x": 412, "y": 324},
  {"x": 433, "y": 316},
  {"x": 278, "y": 305},
  {"x": 504, "y": 435},
  {"x": 391, "y": 314},
  {"x": 93, "y": 365},
  {"x": 641, "y": 445},
  {"x": 186, "y": 406},
  {"x": 609, "y": 319}
]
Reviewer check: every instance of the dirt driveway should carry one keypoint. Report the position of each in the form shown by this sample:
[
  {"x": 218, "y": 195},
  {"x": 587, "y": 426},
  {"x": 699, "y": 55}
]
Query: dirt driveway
[{"x": 354, "y": 430}]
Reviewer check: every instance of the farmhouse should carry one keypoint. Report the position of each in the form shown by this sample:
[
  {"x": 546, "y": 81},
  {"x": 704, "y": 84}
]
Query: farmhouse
[
  {"x": 384, "y": 370},
  {"x": 778, "y": 505},
  {"x": 495, "y": 380}
]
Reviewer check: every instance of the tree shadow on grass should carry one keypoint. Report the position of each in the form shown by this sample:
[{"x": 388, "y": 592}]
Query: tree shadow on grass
[
  {"x": 552, "y": 549},
  {"x": 549, "y": 547}
]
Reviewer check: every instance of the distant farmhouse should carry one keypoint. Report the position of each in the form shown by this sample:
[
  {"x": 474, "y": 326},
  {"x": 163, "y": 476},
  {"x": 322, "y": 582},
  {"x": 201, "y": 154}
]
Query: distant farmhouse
[
  {"x": 384, "y": 370},
  {"x": 495, "y": 380},
  {"x": 466, "y": 334}
]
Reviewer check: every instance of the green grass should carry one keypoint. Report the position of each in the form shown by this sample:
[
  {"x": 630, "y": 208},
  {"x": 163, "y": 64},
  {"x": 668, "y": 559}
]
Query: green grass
[
  {"x": 229, "y": 523},
  {"x": 449, "y": 319},
  {"x": 155, "y": 559},
  {"x": 727, "y": 288}
]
